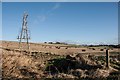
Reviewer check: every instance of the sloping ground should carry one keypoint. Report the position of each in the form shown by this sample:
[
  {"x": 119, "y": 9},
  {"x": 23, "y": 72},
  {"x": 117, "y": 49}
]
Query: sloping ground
[
  {"x": 46, "y": 65},
  {"x": 19, "y": 65},
  {"x": 78, "y": 67},
  {"x": 59, "y": 49},
  {"x": 23, "y": 64}
]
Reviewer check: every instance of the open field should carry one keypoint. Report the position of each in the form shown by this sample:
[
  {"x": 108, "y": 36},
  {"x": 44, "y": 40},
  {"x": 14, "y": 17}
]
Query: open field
[
  {"x": 58, "y": 61},
  {"x": 59, "y": 49}
]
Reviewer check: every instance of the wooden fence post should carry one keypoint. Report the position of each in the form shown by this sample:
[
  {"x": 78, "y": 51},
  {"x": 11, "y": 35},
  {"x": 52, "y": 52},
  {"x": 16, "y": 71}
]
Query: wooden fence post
[{"x": 107, "y": 59}]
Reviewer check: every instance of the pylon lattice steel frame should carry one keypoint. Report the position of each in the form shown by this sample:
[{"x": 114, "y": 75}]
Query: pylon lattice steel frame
[{"x": 24, "y": 34}]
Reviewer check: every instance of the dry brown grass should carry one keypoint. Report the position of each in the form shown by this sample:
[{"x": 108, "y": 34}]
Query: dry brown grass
[
  {"x": 22, "y": 64},
  {"x": 13, "y": 61},
  {"x": 44, "y": 47}
]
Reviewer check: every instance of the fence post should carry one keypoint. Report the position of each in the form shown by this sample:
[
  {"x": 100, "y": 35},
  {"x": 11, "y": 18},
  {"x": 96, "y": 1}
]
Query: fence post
[{"x": 107, "y": 59}]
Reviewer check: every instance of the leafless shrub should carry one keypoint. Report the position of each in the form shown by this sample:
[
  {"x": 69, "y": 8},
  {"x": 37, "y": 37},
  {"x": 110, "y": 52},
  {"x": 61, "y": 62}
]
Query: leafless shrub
[
  {"x": 8, "y": 49},
  {"x": 101, "y": 49},
  {"x": 83, "y": 50},
  {"x": 57, "y": 47},
  {"x": 93, "y": 48},
  {"x": 66, "y": 48}
]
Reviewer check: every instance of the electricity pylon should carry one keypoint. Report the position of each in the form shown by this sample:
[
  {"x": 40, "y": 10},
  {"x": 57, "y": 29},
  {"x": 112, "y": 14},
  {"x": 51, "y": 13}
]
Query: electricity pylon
[{"x": 24, "y": 34}]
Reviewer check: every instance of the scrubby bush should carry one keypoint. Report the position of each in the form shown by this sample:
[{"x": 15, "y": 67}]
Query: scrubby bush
[
  {"x": 83, "y": 50},
  {"x": 50, "y": 42},
  {"x": 101, "y": 49}
]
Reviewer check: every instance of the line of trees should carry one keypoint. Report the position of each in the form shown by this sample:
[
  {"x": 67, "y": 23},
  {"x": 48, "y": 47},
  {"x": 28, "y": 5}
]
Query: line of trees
[
  {"x": 112, "y": 46},
  {"x": 56, "y": 43}
]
